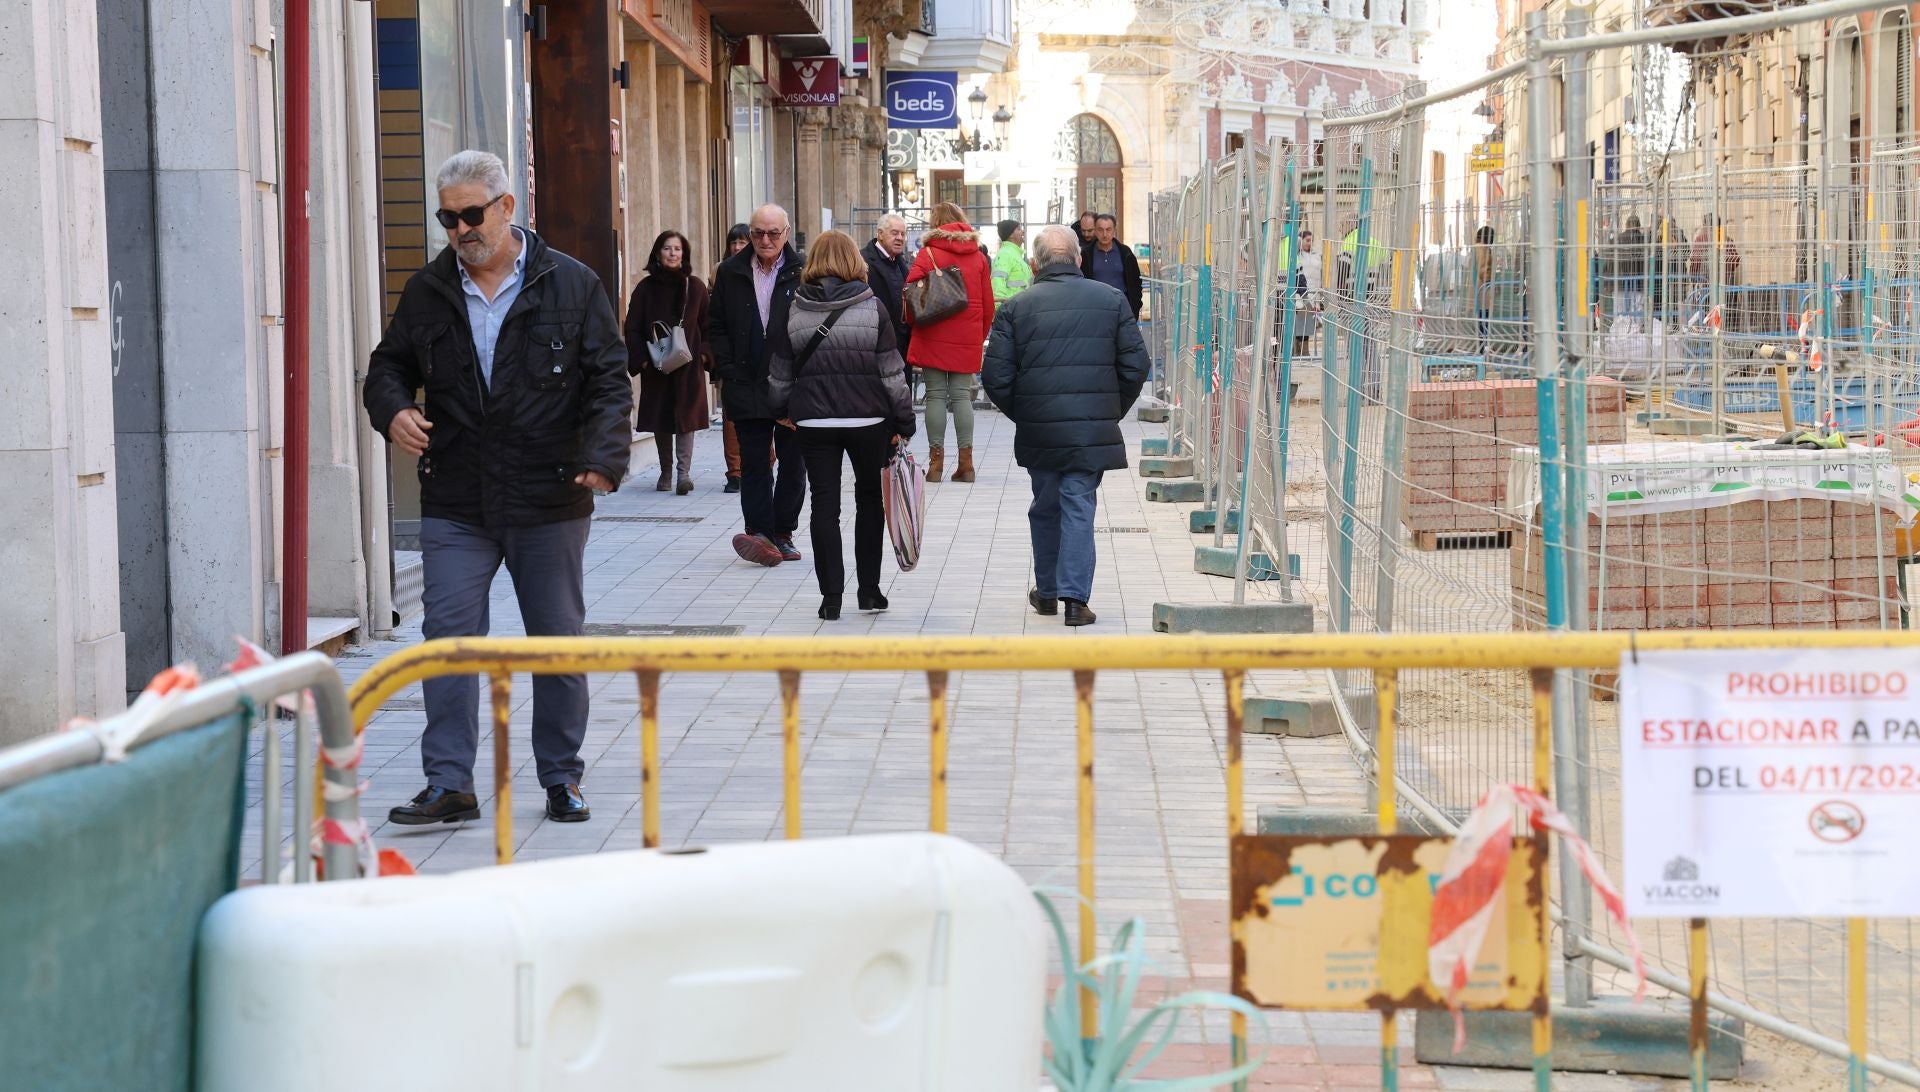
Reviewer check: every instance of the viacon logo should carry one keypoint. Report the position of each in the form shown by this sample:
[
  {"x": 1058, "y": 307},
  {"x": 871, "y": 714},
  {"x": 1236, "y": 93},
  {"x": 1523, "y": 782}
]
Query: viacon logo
[{"x": 1680, "y": 886}]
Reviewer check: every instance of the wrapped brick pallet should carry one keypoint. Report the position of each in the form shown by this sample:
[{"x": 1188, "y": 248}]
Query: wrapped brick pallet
[{"x": 1458, "y": 439}]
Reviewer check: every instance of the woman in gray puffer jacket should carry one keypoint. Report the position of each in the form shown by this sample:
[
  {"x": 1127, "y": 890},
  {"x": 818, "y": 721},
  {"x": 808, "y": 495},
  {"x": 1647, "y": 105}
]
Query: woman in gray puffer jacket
[{"x": 835, "y": 374}]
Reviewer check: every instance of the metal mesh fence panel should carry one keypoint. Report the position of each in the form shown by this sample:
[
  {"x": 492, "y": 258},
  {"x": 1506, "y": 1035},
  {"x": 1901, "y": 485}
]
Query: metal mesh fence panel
[{"x": 1666, "y": 384}]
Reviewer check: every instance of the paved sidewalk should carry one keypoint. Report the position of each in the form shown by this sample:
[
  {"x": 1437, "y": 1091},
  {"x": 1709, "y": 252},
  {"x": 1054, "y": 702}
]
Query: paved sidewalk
[{"x": 660, "y": 560}]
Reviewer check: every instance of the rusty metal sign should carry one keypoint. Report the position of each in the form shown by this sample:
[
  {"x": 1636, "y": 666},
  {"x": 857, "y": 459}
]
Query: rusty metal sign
[{"x": 1341, "y": 923}]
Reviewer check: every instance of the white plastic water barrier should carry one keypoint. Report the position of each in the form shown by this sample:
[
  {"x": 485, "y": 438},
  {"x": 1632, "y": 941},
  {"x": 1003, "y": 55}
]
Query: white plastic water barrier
[{"x": 891, "y": 962}]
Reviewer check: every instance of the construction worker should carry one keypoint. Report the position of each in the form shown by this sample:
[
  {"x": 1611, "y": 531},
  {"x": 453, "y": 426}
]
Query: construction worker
[
  {"x": 1011, "y": 272},
  {"x": 1376, "y": 257}
]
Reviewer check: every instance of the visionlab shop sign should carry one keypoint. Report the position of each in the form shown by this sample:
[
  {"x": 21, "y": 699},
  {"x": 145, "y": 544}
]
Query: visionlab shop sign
[
  {"x": 923, "y": 100},
  {"x": 809, "y": 81}
]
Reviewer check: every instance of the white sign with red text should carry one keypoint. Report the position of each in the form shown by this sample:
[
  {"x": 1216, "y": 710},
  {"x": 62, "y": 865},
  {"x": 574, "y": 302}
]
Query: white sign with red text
[{"x": 1770, "y": 783}]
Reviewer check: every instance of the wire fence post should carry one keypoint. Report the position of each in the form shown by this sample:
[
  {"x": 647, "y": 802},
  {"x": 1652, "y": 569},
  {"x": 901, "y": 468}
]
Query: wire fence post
[
  {"x": 1283, "y": 383},
  {"x": 1355, "y": 305},
  {"x": 1238, "y": 216},
  {"x": 1570, "y": 688},
  {"x": 1259, "y": 403},
  {"x": 1329, "y": 350},
  {"x": 1204, "y": 332},
  {"x": 1399, "y": 357}
]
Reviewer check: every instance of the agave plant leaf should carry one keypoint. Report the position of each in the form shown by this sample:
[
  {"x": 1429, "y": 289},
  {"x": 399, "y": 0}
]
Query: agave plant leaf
[
  {"x": 1107, "y": 1063},
  {"x": 1066, "y": 1062},
  {"x": 1172, "y": 1006}
]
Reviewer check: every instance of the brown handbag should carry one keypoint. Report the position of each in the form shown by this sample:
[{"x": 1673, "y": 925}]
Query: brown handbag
[{"x": 941, "y": 294}]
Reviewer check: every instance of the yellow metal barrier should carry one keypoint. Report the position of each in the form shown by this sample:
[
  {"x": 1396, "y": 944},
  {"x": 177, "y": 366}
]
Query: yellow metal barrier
[{"x": 1385, "y": 655}]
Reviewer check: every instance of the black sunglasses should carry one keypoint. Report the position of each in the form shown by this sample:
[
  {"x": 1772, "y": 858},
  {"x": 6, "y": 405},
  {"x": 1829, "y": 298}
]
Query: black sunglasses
[{"x": 472, "y": 215}]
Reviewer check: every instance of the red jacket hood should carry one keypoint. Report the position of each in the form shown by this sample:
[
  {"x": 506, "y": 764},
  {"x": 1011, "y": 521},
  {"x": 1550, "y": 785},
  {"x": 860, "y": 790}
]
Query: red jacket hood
[{"x": 954, "y": 238}]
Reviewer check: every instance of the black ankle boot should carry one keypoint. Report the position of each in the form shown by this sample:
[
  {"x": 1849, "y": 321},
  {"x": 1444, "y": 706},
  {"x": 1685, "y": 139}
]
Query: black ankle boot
[
  {"x": 872, "y": 600},
  {"x": 829, "y": 608}
]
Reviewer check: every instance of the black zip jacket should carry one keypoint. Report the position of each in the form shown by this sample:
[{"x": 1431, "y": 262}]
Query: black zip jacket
[
  {"x": 560, "y": 402},
  {"x": 888, "y": 279},
  {"x": 735, "y": 337}
]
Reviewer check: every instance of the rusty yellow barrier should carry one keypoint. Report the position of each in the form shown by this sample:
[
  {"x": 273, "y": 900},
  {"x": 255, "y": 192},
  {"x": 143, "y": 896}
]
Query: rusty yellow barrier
[{"x": 789, "y": 658}]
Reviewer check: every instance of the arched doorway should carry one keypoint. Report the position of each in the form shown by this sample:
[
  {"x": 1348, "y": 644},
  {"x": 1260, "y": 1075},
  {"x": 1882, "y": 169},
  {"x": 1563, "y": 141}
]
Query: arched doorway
[{"x": 1089, "y": 145}]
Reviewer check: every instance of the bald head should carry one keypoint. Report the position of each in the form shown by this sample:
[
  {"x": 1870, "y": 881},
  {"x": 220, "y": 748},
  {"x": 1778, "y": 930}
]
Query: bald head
[
  {"x": 1055, "y": 245},
  {"x": 768, "y": 229}
]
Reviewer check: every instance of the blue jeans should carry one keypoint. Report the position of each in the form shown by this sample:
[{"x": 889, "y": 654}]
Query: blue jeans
[
  {"x": 1061, "y": 519},
  {"x": 459, "y": 561}
]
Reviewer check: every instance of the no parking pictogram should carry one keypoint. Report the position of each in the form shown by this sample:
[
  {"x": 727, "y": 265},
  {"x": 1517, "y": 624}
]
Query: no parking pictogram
[{"x": 1836, "y": 821}]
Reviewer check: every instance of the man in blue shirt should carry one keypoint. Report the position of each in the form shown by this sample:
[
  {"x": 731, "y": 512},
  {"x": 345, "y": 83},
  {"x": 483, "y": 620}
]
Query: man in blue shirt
[
  {"x": 528, "y": 411},
  {"x": 1112, "y": 263}
]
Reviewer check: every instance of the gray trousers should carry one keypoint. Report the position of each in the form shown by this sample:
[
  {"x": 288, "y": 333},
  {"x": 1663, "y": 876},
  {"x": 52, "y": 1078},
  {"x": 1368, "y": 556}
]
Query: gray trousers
[{"x": 459, "y": 561}]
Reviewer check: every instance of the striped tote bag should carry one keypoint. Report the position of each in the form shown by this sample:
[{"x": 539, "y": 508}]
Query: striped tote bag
[{"x": 903, "y": 494}]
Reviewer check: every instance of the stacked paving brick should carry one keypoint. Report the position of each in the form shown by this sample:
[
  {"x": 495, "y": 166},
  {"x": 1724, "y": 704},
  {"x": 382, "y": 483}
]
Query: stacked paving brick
[
  {"x": 1458, "y": 437},
  {"x": 1792, "y": 564}
]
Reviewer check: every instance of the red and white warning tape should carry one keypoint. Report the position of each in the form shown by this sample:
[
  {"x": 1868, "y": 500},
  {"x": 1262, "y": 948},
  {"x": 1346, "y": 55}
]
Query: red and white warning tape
[{"x": 1474, "y": 880}]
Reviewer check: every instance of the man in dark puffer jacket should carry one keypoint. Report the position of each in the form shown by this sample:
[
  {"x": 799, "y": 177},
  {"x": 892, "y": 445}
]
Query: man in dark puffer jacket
[
  {"x": 1064, "y": 363},
  {"x": 528, "y": 410}
]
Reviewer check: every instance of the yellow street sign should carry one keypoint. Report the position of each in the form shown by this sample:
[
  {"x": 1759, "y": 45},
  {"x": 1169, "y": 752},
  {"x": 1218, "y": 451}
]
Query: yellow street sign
[
  {"x": 1341, "y": 923},
  {"x": 1488, "y": 156}
]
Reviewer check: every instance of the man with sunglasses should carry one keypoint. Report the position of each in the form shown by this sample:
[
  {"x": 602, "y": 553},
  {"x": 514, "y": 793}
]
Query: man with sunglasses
[
  {"x": 527, "y": 413},
  {"x": 751, "y": 293}
]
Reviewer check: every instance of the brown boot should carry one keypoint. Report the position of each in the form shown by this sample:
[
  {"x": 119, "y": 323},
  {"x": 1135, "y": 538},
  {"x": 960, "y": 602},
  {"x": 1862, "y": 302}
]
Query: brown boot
[
  {"x": 964, "y": 472},
  {"x": 936, "y": 457}
]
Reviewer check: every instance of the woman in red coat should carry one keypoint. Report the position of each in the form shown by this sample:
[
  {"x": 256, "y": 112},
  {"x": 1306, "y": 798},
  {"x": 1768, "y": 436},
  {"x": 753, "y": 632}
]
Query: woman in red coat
[{"x": 948, "y": 351}]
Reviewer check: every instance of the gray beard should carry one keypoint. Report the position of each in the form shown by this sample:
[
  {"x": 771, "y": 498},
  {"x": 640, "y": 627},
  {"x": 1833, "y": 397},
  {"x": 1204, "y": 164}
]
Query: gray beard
[{"x": 477, "y": 252}]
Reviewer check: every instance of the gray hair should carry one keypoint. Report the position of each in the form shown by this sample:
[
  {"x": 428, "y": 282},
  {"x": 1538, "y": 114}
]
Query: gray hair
[
  {"x": 889, "y": 218},
  {"x": 1055, "y": 245},
  {"x": 785, "y": 220},
  {"x": 473, "y": 167}
]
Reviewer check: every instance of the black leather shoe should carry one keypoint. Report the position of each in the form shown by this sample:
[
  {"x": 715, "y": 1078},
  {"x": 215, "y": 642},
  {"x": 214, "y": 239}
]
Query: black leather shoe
[
  {"x": 566, "y": 805},
  {"x": 872, "y": 600},
  {"x": 829, "y": 608},
  {"x": 436, "y": 805},
  {"x": 733, "y": 486},
  {"x": 1048, "y": 607},
  {"x": 1078, "y": 614}
]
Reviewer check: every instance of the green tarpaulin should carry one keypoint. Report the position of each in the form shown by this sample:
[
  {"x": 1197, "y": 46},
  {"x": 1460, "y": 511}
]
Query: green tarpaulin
[{"x": 105, "y": 872}]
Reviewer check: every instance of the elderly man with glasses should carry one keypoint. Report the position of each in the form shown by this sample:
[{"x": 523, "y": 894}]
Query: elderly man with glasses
[
  {"x": 750, "y": 296},
  {"x": 526, "y": 415}
]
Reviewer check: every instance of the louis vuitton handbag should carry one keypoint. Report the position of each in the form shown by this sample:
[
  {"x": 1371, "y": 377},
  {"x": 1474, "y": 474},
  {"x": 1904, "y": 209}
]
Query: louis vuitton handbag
[{"x": 941, "y": 294}]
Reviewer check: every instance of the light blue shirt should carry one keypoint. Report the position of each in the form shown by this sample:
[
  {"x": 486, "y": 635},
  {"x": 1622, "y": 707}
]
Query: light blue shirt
[{"x": 484, "y": 315}]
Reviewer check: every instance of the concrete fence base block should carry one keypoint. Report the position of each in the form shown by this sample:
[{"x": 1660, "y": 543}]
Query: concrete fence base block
[
  {"x": 1200, "y": 521},
  {"x": 1330, "y": 822},
  {"x": 1674, "y": 426},
  {"x": 1185, "y": 491},
  {"x": 1221, "y": 561},
  {"x": 1612, "y": 1035},
  {"x": 1166, "y": 466},
  {"x": 1152, "y": 414},
  {"x": 1233, "y": 618},
  {"x": 1310, "y": 719},
  {"x": 1154, "y": 445}
]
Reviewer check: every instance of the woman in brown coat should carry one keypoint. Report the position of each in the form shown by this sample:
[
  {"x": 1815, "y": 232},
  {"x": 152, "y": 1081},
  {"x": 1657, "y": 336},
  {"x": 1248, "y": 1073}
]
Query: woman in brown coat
[{"x": 672, "y": 406}]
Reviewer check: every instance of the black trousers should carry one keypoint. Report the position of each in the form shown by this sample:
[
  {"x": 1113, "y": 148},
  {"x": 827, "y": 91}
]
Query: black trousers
[
  {"x": 770, "y": 505},
  {"x": 868, "y": 447}
]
